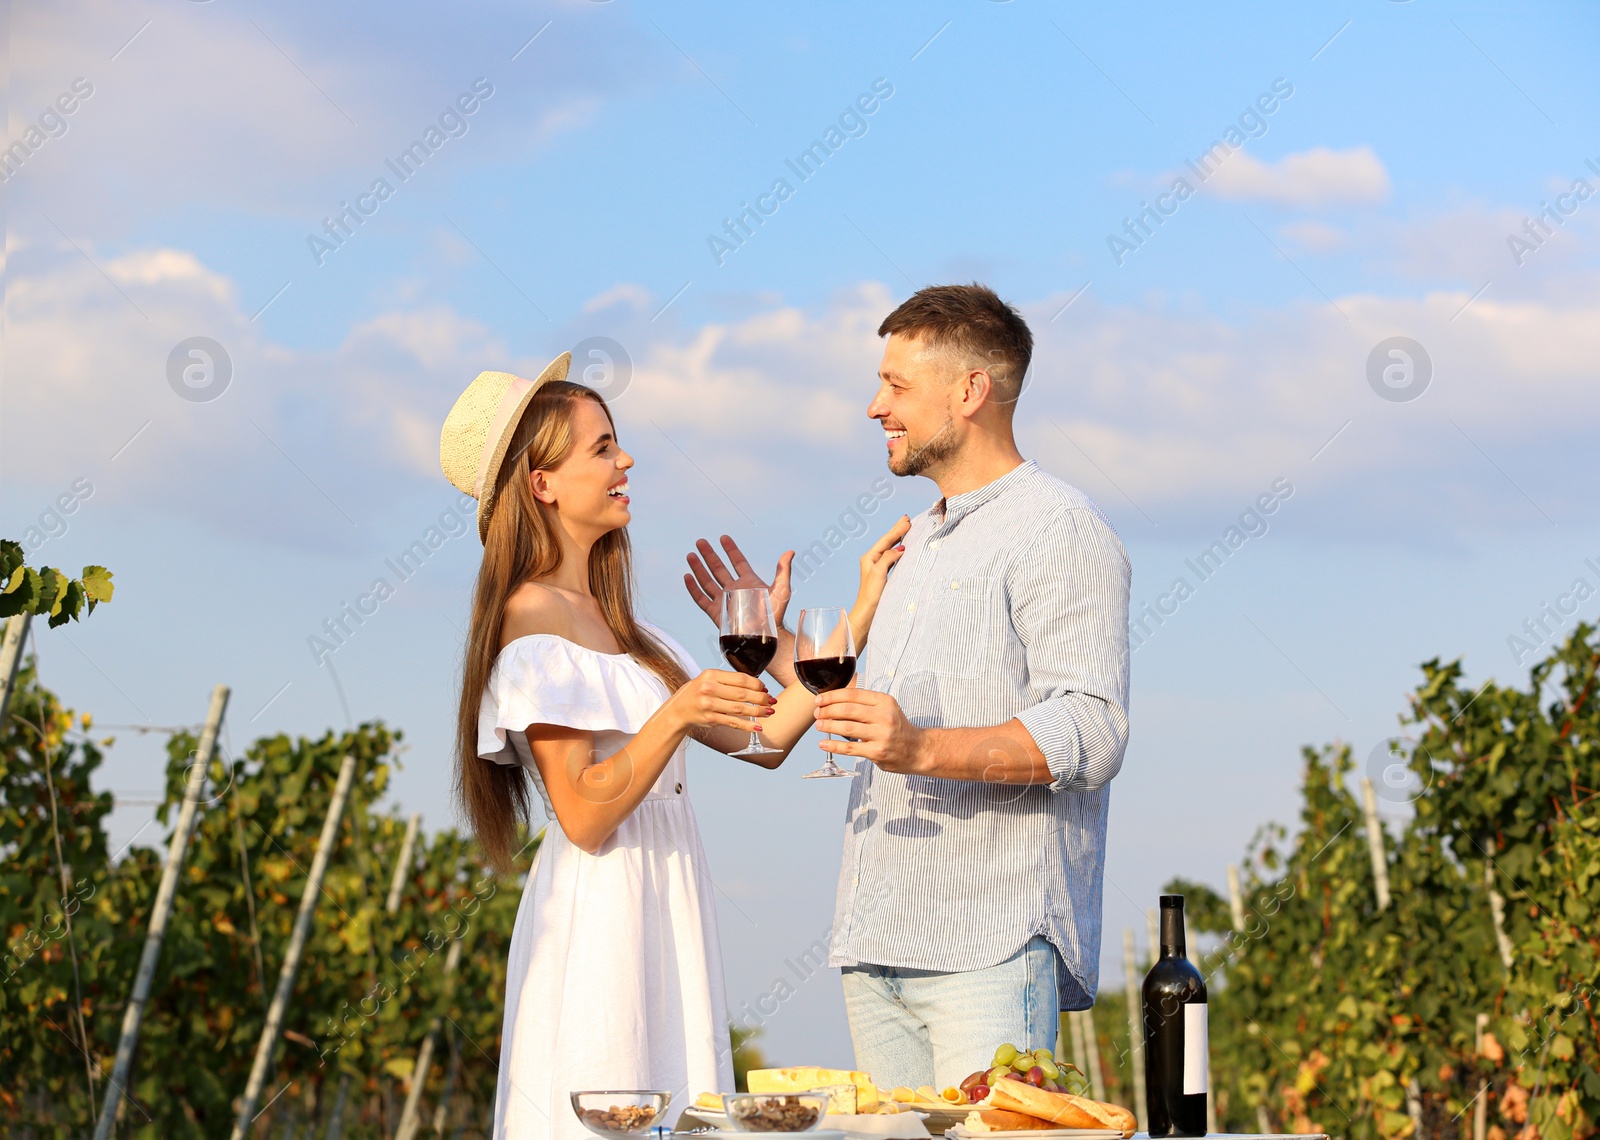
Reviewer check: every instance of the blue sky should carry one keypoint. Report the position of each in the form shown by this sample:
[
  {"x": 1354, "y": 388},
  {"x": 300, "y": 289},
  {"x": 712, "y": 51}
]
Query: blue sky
[{"x": 1229, "y": 351}]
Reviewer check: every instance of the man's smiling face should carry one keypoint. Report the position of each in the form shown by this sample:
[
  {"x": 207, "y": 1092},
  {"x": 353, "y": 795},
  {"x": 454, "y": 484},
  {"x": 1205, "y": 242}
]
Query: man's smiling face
[{"x": 915, "y": 389}]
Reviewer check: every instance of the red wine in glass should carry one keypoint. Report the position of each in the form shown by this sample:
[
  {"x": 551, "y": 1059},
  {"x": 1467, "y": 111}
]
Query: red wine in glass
[
  {"x": 824, "y": 660},
  {"x": 749, "y": 638},
  {"x": 749, "y": 653},
  {"x": 824, "y": 674}
]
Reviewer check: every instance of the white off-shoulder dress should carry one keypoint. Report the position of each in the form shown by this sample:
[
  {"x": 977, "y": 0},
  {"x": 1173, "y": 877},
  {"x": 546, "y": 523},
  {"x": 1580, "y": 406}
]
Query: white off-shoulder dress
[{"x": 614, "y": 979}]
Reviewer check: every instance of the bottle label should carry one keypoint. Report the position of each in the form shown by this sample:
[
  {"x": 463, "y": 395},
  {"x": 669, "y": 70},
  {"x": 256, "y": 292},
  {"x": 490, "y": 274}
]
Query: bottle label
[{"x": 1196, "y": 1048}]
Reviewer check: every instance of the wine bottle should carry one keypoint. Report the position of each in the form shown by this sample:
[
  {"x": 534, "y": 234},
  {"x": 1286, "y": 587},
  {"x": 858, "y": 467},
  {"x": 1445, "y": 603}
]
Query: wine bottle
[{"x": 1175, "y": 1033}]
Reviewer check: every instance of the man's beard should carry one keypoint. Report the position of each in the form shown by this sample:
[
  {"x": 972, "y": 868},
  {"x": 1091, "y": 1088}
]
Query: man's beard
[{"x": 941, "y": 447}]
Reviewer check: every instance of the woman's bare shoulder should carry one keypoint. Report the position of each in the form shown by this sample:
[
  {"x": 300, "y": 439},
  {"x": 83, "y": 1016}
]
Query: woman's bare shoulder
[{"x": 533, "y": 609}]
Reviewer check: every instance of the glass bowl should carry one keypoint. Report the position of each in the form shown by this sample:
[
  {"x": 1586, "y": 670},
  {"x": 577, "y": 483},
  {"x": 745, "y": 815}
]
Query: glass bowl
[
  {"x": 775, "y": 1112},
  {"x": 612, "y": 1112}
]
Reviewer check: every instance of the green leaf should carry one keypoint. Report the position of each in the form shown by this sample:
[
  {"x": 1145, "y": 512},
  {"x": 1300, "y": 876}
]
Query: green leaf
[
  {"x": 46, "y": 590},
  {"x": 11, "y": 557},
  {"x": 97, "y": 585},
  {"x": 23, "y": 592},
  {"x": 67, "y": 605}
]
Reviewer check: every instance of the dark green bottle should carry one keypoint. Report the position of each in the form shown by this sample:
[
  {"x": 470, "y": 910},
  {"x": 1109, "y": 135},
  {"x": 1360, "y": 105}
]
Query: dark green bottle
[{"x": 1175, "y": 1033}]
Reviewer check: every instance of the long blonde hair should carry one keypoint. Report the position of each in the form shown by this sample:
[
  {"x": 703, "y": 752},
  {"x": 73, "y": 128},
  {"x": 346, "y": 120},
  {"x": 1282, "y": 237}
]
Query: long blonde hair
[{"x": 521, "y": 546}]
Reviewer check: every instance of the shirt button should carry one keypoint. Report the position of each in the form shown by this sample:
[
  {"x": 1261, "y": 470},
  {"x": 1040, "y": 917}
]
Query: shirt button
[
  {"x": 678, "y": 788},
  {"x": 912, "y": 606},
  {"x": 889, "y": 672},
  {"x": 955, "y": 585},
  {"x": 934, "y": 545}
]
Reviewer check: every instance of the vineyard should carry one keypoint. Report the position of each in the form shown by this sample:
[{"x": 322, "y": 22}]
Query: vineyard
[
  {"x": 1469, "y": 1005},
  {"x": 1457, "y": 1000}
]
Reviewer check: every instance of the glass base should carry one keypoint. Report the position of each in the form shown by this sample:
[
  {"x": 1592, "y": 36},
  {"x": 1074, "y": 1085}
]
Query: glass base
[
  {"x": 756, "y": 750},
  {"x": 828, "y": 769}
]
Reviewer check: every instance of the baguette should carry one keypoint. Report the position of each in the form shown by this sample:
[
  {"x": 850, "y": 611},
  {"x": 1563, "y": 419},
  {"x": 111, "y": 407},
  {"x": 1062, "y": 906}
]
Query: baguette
[
  {"x": 1061, "y": 1109},
  {"x": 1001, "y": 1120}
]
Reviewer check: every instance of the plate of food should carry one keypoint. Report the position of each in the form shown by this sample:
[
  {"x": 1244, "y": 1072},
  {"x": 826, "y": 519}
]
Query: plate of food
[
  {"x": 951, "y": 1106},
  {"x": 710, "y": 1108},
  {"x": 960, "y": 1132},
  {"x": 855, "y": 1107},
  {"x": 1021, "y": 1109}
]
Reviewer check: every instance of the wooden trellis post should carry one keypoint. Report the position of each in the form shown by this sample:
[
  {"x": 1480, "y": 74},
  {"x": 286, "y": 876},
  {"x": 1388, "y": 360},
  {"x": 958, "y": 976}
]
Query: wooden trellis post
[
  {"x": 336, "y": 1116},
  {"x": 1380, "y": 860},
  {"x": 11, "y": 658},
  {"x": 1414, "y": 1108},
  {"x": 397, "y": 880},
  {"x": 1497, "y": 910},
  {"x": 442, "y": 1113},
  {"x": 1236, "y": 916},
  {"x": 1091, "y": 1047},
  {"x": 1135, "y": 1030},
  {"x": 297, "y": 943},
  {"x": 1480, "y": 1107},
  {"x": 166, "y": 894},
  {"x": 1079, "y": 1055},
  {"x": 411, "y": 1116}
]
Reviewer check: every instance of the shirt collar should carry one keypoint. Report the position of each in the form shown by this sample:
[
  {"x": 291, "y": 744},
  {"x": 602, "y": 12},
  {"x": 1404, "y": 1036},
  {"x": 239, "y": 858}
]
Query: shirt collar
[{"x": 957, "y": 508}]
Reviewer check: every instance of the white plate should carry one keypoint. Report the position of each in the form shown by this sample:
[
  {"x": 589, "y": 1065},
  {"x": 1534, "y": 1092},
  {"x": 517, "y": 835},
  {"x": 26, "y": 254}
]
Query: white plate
[
  {"x": 960, "y": 1133},
  {"x": 722, "y": 1113},
  {"x": 952, "y": 1114}
]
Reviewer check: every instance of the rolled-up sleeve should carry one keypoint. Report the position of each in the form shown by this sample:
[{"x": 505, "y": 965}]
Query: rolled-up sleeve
[{"x": 1069, "y": 606}]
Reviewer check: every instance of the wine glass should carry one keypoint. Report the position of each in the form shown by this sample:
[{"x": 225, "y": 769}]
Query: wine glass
[
  {"x": 749, "y": 638},
  {"x": 824, "y": 660}
]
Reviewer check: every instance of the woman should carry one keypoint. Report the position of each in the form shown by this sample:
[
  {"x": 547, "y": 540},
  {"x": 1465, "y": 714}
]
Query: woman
[{"x": 614, "y": 979}]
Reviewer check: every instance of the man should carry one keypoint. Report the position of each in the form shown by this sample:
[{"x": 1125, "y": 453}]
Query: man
[{"x": 991, "y": 706}]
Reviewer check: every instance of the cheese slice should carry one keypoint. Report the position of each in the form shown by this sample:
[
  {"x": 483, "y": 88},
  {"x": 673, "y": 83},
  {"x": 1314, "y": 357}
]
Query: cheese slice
[
  {"x": 842, "y": 1099},
  {"x": 804, "y": 1078}
]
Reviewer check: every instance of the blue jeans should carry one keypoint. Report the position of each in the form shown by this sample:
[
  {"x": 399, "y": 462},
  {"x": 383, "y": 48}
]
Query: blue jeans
[{"x": 931, "y": 1027}]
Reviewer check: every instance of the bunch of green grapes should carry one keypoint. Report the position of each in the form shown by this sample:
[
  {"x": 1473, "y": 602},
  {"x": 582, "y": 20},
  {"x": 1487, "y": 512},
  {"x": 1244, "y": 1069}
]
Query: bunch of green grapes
[{"x": 1037, "y": 1068}]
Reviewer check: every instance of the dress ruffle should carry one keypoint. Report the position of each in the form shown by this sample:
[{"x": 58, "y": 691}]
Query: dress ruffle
[{"x": 544, "y": 679}]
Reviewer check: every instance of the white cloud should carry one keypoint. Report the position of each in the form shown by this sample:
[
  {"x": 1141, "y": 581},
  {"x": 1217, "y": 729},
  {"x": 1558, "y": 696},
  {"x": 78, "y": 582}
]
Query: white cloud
[
  {"x": 172, "y": 268},
  {"x": 1318, "y": 237},
  {"x": 1315, "y": 177},
  {"x": 627, "y": 293},
  {"x": 276, "y": 114},
  {"x": 1186, "y": 413},
  {"x": 1181, "y": 414},
  {"x": 1469, "y": 243},
  {"x": 357, "y": 424}
]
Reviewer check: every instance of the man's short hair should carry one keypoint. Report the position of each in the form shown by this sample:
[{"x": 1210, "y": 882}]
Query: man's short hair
[{"x": 971, "y": 319}]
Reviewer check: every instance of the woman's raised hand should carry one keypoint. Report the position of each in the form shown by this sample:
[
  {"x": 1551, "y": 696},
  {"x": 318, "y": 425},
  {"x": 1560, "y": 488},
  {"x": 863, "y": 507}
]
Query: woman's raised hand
[
  {"x": 710, "y": 576},
  {"x": 875, "y": 564},
  {"x": 720, "y": 697}
]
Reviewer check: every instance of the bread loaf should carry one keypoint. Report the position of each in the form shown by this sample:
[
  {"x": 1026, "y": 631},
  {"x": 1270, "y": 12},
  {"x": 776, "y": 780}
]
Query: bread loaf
[
  {"x": 1061, "y": 1109},
  {"x": 1000, "y": 1120}
]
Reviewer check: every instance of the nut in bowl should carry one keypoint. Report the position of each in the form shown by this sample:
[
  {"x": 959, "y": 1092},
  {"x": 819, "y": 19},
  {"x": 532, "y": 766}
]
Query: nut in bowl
[
  {"x": 609, "y": 1112},
  {"x": 775, "y": 1112}
]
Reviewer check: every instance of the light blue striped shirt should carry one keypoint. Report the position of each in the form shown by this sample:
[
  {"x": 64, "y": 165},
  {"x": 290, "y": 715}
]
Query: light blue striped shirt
[{"x": 1010, "y": 603}]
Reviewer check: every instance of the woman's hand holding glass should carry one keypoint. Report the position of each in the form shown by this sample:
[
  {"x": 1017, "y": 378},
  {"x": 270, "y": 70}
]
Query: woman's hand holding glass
[{"x": 719, "y": 697}]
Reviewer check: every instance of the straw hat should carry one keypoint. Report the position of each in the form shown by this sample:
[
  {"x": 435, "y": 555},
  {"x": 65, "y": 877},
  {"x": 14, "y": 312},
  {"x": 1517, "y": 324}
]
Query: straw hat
[{"x": 479, "y": 428}]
